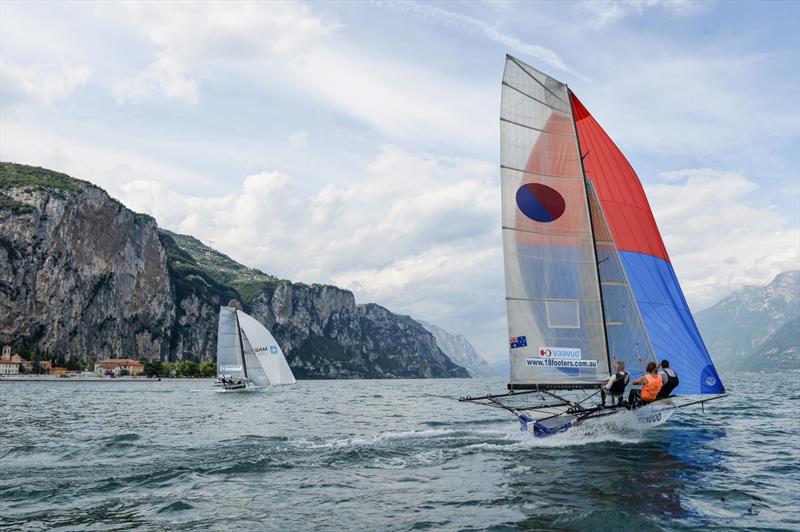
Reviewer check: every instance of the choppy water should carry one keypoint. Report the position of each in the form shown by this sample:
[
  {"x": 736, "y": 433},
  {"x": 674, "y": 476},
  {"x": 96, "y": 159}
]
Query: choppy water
[{"x": 378, "y": 455}]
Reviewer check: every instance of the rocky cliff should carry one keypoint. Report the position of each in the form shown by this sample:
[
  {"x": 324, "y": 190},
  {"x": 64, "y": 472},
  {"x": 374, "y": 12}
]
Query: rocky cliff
[
  {"x": 460, "y": 351},
  {"x": 79, "y": 273},
  {"x": 83, "y": 276}
]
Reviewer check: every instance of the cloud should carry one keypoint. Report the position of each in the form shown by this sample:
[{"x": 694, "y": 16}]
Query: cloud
[
  {"x": 607, "y": 12},
  {"x": 467, "y": 23},
  {"x": 195, "y": 41},
  {"x": 165, "y": 75},
  {"x": 99, "y": 162},
  {"x": 717, "y": 240},
  {"x": 403, "y": 101},
  {"x": 411, "y": 233},
  {"x": 44, "y": 82}
]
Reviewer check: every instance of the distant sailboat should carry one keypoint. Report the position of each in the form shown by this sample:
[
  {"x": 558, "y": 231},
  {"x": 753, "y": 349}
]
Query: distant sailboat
[
  {"x": 588, "y": 279},
  {"x": 247, "y": 354}
]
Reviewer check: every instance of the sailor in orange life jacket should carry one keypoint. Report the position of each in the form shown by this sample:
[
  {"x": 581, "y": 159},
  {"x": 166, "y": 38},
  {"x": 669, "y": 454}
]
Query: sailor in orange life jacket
[{"x": 651, "y": 384}]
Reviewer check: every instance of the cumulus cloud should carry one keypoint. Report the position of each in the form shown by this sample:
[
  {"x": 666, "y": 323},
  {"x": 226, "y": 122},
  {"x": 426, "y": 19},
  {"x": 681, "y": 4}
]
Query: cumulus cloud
[
  {"x": 44, "y": 82},
  {"x": 403, "y": 204},
  {"x": 416, "y": 232},
  {"x": 717, "y": 239}
]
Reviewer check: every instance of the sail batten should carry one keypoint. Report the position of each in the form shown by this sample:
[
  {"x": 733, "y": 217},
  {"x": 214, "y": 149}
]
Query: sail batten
[{"x": 538, "y": 77}]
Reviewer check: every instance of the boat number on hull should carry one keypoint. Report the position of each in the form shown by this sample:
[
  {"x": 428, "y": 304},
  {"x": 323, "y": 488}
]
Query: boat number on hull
[{"x": 651, "y": 418}]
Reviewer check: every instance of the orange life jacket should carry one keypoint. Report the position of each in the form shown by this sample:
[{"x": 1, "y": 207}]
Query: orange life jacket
[{"x": 651, "y": 387}]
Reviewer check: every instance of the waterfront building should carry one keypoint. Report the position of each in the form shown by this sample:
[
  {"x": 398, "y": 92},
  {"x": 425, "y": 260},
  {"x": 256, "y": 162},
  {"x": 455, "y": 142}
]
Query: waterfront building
[
  {"x": 114, "y": 366},
  {"x": 7, "y": 367}
]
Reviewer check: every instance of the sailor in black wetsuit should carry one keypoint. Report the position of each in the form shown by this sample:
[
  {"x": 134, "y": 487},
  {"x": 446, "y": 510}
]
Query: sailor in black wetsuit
[
  {"x": 670, "y": 379},
  {"x": 615, "y": 387}
]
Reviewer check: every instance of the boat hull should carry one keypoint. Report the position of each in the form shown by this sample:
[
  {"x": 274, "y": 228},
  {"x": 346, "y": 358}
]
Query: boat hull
[
  {"x": 641, "y": 418},
  {"x": 234, "y": 388}
]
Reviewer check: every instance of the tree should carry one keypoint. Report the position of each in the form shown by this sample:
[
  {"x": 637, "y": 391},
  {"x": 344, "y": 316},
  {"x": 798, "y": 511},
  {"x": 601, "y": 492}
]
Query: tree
[
  {"x": 207, "y": 369},
  {"x": 124, "y": 373},
  {"x": 153, "y": 368},
  {"x": 74, "y": 364},
  {"x": 167, "y": 369},
  {"x": 186, "y": 368}
]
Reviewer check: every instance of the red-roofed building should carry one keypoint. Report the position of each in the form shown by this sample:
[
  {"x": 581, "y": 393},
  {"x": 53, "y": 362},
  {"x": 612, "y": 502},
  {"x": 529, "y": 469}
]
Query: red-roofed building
[{"x": 114, "y": 366}]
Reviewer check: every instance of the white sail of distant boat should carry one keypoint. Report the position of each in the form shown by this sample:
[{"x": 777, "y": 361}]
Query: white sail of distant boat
[
  {"x": 247, "y": 354},
  {"x": 589, "y": 282}
]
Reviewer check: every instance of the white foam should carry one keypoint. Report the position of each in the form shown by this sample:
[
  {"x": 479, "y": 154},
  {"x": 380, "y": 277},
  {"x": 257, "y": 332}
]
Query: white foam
[{"x": 377, "y": 439}]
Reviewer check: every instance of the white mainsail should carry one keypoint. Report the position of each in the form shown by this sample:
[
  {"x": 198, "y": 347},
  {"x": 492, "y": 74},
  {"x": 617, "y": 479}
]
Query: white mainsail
[{"x": 555, "y": 314}]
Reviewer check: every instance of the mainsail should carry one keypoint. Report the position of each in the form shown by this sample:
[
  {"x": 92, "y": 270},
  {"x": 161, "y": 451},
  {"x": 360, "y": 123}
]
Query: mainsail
[
  {"x": 230, "y": 360},
  {"x": 555, "y": 315},
  {"x": 588, "y": 279}
]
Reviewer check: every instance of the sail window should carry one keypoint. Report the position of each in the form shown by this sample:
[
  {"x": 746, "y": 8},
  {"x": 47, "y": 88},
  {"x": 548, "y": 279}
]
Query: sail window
[{"x": 563, "y": 315}]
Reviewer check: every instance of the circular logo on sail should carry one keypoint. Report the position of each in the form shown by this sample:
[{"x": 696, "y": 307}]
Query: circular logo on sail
[
  {"x": 711, "y": 381},
  {"x": 540, "y": 203}
]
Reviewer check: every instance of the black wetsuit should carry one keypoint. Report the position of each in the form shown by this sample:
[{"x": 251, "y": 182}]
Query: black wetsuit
[{"x": 671, "y": 384}]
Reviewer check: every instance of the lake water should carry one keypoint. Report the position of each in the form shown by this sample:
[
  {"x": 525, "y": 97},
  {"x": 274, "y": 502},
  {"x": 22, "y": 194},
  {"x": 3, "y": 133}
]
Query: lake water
[{"x": 380, "y": 455}]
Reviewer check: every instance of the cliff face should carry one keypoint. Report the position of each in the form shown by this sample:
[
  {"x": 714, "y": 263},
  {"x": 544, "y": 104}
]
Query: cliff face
[
  {"x": 460, "y": 351},
  {"x": 82, "y": 276},
  {"x": 326, "y": 335},
  {"x": 79, "y": 273}
]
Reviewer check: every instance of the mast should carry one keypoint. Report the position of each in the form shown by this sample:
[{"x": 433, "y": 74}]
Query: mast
[
  {"x": 241, "y": 343},
  {"x": 594, "y": 240}
]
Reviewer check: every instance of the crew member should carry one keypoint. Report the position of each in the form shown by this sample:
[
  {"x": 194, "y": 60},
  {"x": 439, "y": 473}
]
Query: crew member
[
  {"x": 615, "y": 387},
  {"x": 651, "y": 384},
  {"x": 669, "y": 379}
]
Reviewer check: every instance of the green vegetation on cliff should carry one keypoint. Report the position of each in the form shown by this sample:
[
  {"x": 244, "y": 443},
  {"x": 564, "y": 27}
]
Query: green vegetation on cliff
[
  {"x": 14, "y": 175},
  {"x": 191, "y": 278},
  {"x": 248, "y": 282}
]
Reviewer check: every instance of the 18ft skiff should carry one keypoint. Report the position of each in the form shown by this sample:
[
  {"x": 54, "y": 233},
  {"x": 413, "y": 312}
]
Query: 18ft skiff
[{"x": 588, "y": 278}]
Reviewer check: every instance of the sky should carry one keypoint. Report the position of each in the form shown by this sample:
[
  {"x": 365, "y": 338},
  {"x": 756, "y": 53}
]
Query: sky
[{"x": 357, "y": 144}]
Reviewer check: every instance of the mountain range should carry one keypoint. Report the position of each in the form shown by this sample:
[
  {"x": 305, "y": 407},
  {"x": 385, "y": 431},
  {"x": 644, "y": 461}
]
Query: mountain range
[
  {"x": 756, "y": 327},
  {"x": 83, "y": 276}
]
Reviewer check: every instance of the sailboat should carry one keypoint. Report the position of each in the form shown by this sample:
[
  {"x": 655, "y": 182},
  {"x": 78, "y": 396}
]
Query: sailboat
[
  {"x": 588, "y": 278},
  {"x": 247, "y": 354}
]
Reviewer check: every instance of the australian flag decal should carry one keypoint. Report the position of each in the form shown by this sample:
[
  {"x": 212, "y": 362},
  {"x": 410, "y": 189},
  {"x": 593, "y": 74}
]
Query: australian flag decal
[{"x": 518, "y": 341}]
